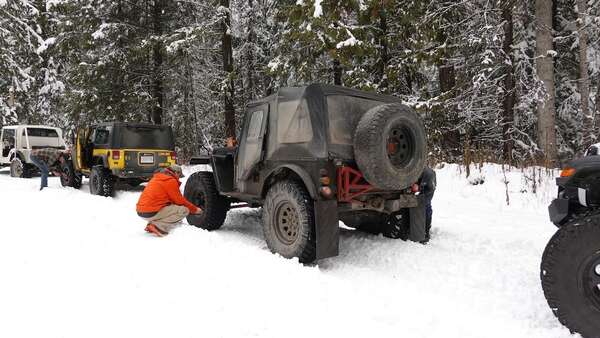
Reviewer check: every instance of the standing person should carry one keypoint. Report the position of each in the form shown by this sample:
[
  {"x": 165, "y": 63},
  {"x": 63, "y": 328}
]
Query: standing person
[
  {"x": 428, "y": 184},
  {"x": 161, "y": 203},
  {"x": 46, "y": 159}
]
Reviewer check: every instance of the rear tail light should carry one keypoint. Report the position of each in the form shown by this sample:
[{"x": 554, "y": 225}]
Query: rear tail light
[
  {"x": 174, "y": 156},
  {"x": 116, "y": 155}
]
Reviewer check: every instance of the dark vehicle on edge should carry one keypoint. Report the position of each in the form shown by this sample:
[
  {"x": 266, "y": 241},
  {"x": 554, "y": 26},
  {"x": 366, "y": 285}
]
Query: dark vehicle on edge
[
  {"x": 117, "y": 151},
  {"x": 570, "y": 268},
  {"x": 313, "y": 155}
]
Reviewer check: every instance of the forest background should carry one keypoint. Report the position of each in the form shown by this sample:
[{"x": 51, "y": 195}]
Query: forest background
[{"x": 503, "y": 81}]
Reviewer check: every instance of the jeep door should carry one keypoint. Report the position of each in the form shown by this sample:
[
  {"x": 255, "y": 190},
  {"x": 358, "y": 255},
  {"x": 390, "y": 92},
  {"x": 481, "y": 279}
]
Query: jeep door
[
  {"x": 83, "y": 149},
  {"x": 250, "y": 150}
]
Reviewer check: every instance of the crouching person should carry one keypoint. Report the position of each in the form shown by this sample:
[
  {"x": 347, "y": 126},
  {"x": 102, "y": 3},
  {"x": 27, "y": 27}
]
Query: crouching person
[
  {"x": 46, "y": 160},
  {"x": 161, "y": 203}
]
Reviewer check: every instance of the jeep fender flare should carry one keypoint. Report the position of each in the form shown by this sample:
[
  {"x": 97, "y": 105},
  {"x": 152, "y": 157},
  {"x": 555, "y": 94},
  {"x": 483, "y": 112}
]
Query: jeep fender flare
[
  {"x": 16, "y": 153},
  {"x": 296, "y": 169}
]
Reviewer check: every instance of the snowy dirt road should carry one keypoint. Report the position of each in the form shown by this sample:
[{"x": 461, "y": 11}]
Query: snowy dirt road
[{"x": 76, "y": 265}]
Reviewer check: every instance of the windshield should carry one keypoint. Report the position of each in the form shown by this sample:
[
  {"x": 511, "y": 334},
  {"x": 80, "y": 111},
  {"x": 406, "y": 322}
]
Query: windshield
[{"x": 139, "y": 137}]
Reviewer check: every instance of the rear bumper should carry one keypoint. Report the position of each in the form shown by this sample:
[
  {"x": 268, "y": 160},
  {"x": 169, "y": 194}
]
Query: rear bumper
[{"x": 129, "y": 173}]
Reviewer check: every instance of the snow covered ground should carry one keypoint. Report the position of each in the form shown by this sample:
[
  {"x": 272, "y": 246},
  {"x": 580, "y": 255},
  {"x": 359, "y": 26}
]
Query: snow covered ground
[{"x": 76, "y": 265}]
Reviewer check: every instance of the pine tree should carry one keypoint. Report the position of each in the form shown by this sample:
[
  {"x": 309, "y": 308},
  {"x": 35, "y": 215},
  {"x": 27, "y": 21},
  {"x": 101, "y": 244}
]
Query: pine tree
[{"x": 545, "y": 71}]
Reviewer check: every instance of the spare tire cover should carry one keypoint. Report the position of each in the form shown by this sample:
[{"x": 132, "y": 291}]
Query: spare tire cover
[{"x": 390, "y": 147}]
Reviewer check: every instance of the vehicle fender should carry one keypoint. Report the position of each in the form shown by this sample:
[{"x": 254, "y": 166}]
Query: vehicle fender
[
  {"x": 14, "y": 152},
  {"x": 303, "y": 174},
  {"x": 11, "y": 154}
]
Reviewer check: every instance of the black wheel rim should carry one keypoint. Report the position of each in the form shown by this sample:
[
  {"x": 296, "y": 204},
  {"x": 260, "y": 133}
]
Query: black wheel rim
[
  {"x": 589, "y": 279},
  {"x": 400, "y": 146},
  {"x": 286, "y": 223}
]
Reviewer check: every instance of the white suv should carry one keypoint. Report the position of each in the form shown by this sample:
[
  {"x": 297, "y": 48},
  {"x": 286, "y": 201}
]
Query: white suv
[{"x": 17, "y": 142}]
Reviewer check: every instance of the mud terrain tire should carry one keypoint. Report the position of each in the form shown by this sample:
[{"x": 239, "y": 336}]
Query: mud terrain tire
[
  {"x": 289, "y": 221},
  {"x": 68, "y": 177},
  {"x": 570, "y": 274},
  {"x": 201, "y": 190},
  {"x": 390, "y": 147},
  {"x": 102, "y": 183},
  {"x": 366, "y": 221},
  {"x": 20, "y": 169}
]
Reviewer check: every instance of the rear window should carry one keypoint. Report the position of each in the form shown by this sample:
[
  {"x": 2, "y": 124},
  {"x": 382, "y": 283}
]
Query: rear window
[
  {"x": 344, "y": 114},
  {"x": 146, "y": 138},
  {"x": 41, "y": 132}
]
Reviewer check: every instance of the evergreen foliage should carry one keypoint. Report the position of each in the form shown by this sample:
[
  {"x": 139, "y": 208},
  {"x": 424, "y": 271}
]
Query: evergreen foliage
[{"x": 468, "y": 66}]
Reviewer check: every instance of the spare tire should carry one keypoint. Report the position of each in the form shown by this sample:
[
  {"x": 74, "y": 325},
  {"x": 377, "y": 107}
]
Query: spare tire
[{"x": 390, "y": 147}]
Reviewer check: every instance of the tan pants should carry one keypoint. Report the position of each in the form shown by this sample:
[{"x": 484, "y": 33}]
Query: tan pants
[{"x": 168, "y": 217}]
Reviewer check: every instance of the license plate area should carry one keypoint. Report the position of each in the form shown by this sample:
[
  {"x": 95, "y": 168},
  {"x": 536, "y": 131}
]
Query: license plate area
[{"x": 146, "y": 159}]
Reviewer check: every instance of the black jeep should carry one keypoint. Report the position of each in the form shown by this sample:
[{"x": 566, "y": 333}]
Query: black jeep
[
  {"x": 570, "y": 269},
  {"x": 313, "y": 155}
]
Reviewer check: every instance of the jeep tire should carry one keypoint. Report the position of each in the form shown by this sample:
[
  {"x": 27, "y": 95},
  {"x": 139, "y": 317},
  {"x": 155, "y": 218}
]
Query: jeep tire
[
  {"x": 102, "y": 183},
  {"x": 570, "y": 274},
  {"x": 68, "y": 176},
  {"x": 366, "y": 221},
  {"x": 390, "y": 147},
  {"x": 201, "y": 190},
  {"x": 396, "y": 225},
  {"x": 19, "y": 169},
  {"x": 289, "y": 222}
]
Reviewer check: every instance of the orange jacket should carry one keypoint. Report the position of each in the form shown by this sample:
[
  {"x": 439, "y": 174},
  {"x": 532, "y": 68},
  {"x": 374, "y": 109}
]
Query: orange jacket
[{"x": 162, "y": 190}]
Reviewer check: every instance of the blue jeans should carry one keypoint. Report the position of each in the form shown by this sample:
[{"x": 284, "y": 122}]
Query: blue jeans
[{"x": 43, "y": 170}]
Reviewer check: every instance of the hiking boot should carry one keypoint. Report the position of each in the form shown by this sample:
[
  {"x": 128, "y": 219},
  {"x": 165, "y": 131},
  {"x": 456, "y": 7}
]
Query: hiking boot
[{"x": 153, "y": 229}]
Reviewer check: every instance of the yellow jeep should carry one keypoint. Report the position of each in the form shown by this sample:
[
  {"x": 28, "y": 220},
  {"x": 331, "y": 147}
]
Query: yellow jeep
[{"x": 116, "y": 151}]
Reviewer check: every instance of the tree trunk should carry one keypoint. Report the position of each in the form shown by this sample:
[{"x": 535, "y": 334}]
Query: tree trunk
[
  {"x": 337, "y": 72},
  {"x": 227, "y": 51},
  {"x": 509, "y": 81},
  {"x": 251, "y": 41},
  {"x": 584, "y": 80},
  {"x": 446, "y": 77},
  {"x": 545, "y": 71},
  {"x": 385, "y": 58},
  {"x": 597, "y": 105},
  {"x": 157, "y": 85}
]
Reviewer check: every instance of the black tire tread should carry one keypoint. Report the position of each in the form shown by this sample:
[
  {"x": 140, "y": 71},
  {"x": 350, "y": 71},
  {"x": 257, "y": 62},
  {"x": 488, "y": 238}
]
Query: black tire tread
[
  {"x": 107, "y": 181},
  {"x": 368, "y": 142},
  {"x": 305, "y": 251},
  {"x": 557, "y": 258},
  {"x": 214, "y": 212},
  {"x": 74, "y": 179}
]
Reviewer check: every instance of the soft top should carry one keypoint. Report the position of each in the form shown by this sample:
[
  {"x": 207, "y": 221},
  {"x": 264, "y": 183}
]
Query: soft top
[
  {"x": 130, "y": 124},
  {"x": 319, "y": 89}
]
